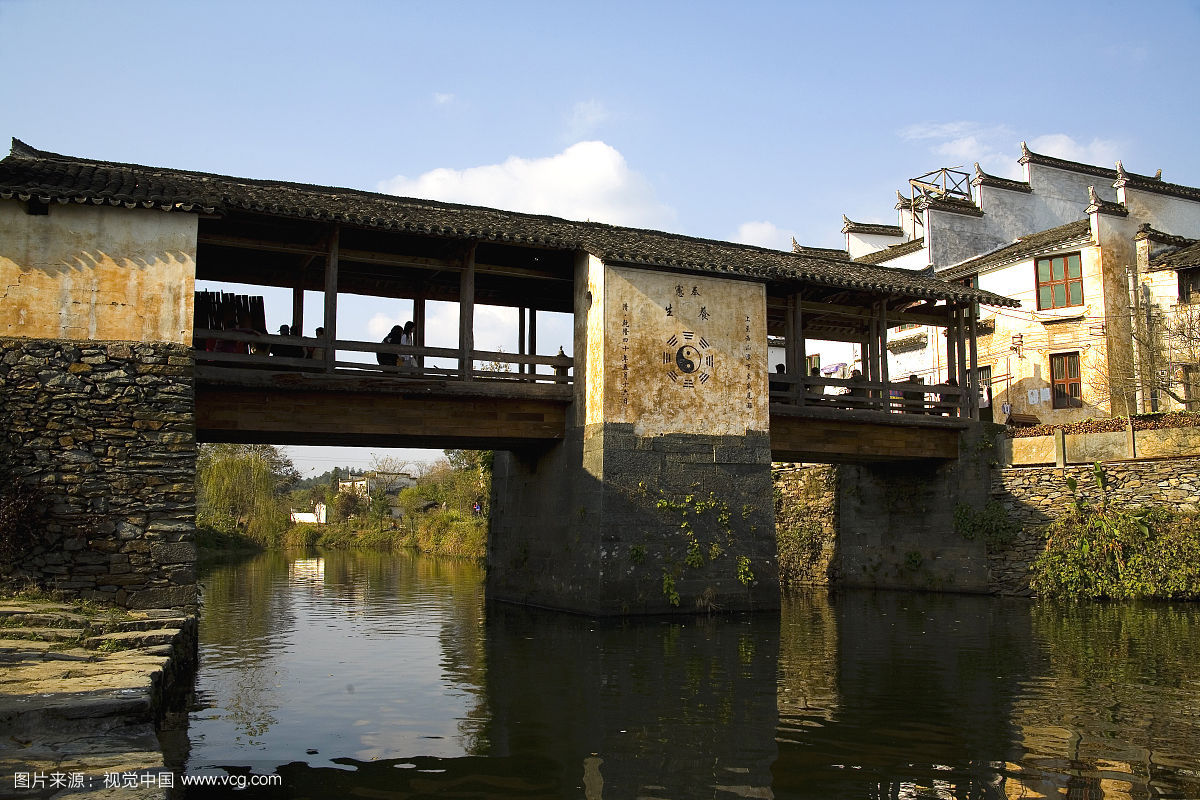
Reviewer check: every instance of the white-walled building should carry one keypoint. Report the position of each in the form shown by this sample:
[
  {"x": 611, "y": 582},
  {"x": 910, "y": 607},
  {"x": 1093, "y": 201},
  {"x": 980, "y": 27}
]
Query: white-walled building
[{"x": 1093, "y": 335}]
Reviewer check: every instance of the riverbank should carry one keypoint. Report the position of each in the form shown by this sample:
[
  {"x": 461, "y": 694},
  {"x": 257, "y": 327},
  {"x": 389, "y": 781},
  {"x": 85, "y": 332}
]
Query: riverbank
[
  {"x": 442, "y": 534},
  {"x": 84, "y": 691}
]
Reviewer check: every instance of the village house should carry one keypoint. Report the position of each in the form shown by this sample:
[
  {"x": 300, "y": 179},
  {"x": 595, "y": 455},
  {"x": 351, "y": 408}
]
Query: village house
[{"x": 1106, "y": 267}]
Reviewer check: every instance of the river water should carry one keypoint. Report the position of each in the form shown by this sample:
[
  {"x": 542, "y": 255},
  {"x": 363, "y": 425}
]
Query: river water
[{"x": 381, "y": 675}]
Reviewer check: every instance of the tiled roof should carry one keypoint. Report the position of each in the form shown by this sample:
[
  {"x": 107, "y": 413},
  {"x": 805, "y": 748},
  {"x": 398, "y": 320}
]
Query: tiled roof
[
  {"x": 1098, "y": 204},
  {"x": 30, "y": 173},
  {"x": 954, "y": 205},
  {"x": 872, "y": 228},
  {"x": 1030, "y": 157},
  {"x": 983, "y": 179},
  {"x": 1155, "y": 184},
  {"x": 888, "y": 253},
  {"x": 1179, "y": 258},
  {"x": 1147, "y": 231},
  {"x": 1025, "y": 247},
  {"x": 823, "y": 252}
]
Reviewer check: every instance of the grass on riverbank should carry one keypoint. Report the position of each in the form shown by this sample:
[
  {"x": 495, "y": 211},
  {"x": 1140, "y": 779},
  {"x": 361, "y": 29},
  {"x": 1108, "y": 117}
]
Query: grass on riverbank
[
  {"x": 446, "y": 533},
  {"x": 1105, "y": 552}
]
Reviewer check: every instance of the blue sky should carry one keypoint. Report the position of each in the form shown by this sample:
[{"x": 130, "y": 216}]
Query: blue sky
[{"x": 755, "y": 121}]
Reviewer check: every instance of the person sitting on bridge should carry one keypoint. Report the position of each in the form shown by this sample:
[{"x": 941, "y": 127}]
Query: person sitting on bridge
[
  {"x": 914, "y": 400},
  {"x": 395, "y": 336},
  {"x": 410, "y": 328},
  {"x": 947, "y": 401},
  {"x": 815, "y": 388},
  {"x": 286, "y": 350},
  {"x": 856, "y": 393},
  {"x": 318, "y": 352},
  {"x": 777, "y": 386}
]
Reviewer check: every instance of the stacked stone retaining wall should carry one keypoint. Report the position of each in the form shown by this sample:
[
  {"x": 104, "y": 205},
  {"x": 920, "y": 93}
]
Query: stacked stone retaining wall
[
  {"x": 806, "y": 523},
  {"x": 106, "y": 432},
  {"x": 1033, "y": 497}
]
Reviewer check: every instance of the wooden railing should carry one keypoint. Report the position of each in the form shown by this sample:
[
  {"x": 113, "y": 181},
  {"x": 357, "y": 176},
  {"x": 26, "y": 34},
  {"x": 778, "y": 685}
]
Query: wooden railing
[
  {"x": 860, "y": 395},
  {"x": 321, "y": 356}
]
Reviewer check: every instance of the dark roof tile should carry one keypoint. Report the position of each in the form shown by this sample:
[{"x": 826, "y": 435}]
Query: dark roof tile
[
  {"x": 1025, "y": 247},
  {"x": 888, "y": 253},
  {"x": 983, "y": 179},
  {"x": 1154, "y": 184},
  {"x": 871, "y": 228},
  {"x": 31, "y": 173}
]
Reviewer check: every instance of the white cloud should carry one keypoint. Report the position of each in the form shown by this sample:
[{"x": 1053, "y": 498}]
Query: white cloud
[
  {"x": 764, "y": 234},
  {"x": 588, "y": 180},
  {"x": 442, "y": 98},
  {"x": 995, "y": 147},
  {"x": 1101, "y": 152},
  {"x": 585, "y": 117},
  {"x": 380, "y": 324}
]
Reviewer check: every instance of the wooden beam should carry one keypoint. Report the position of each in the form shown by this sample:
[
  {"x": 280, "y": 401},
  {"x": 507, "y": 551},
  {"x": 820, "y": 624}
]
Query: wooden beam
[
  {"x": 331, "y": 284},
  {"x": 466, "y": 314},
  {"x": 883, "y": 351},
  {"x": 521, "y": 335},
  {"x": 419, "y": 326},
  {"x": 867, "y": 313},
  {"x": 297, "y": 311},
  {"x": 972, "y": 387},
  {"x": 801, "y": 353},
  {"x": 350, "y": 255},
  {"x": 532, "y": 335}
]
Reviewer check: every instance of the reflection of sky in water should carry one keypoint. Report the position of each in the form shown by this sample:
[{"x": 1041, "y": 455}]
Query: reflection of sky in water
[
  {"x": 350, "y": 671},
  {"x": 389, "y": 667}
]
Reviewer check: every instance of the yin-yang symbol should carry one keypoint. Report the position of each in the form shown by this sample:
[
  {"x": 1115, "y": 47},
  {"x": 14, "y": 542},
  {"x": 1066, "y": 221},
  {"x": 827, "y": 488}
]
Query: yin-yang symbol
[{"x": 687, "y": 359}]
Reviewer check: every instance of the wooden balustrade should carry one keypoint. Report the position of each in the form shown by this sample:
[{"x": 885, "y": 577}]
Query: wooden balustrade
[
  {"x": 496, "y": 365},
  {"x": 861, "y": 395}
]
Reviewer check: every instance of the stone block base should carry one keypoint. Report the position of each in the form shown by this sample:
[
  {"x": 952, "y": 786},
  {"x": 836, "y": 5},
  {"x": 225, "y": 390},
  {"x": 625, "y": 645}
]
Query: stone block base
[{"x": 610, "y": 523}]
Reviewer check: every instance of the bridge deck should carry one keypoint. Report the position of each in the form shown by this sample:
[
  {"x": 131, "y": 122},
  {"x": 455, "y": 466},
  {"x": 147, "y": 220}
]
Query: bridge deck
[{"x": 360, "y": 406}]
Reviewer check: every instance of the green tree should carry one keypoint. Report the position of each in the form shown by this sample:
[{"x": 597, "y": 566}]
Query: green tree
[{"x": 243, "y": 488}]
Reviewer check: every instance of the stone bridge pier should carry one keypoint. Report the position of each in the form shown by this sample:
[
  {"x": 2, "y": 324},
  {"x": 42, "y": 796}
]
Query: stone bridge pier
[{"x": 659, "y": 499}]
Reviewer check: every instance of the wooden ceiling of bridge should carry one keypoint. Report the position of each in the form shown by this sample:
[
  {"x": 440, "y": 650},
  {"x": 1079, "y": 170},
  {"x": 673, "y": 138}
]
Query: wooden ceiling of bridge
[
  {"x": 272, "y": 251},
  {"x": 266, "y": 250},
  {"x": 842, "y": 315}
]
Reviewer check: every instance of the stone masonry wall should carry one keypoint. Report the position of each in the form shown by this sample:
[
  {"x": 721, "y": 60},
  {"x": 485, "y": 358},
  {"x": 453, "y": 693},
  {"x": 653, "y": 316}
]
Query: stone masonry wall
[
  {"x": 806, "y": 523},
  {"x": 1033, "y": 497},
  {"x": 106, "y": 431}
]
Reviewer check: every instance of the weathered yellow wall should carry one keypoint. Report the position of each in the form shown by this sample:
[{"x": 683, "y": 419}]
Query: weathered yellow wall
[
  {"x": 97, "y": 272},
  {"x": 1019, "y": 375},
  {"x": 589, "y": 334},
  {"x": 716, "y": 328}
]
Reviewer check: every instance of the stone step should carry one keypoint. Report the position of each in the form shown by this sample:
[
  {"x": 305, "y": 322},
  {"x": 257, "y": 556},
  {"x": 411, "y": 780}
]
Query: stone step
[
  {"x": 54, "y": 619},
  {"x": 43, "y": 634},
  {"x": 22, "y": 717},
  {"x": 157, "y": 623},
  {"x": 125, "y": 640}
]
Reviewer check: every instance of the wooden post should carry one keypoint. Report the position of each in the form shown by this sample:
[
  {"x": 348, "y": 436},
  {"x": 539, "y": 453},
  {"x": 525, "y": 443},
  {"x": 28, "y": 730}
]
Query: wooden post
[
  {"x": 960, "y": 358},
  {"x": 873, "y": 365},
  {"x": 801, "y": 351},
  {"x": 951, "y": 374},
  {"x": 973, "y": 365},
  {"x": 790, "y": 358},
  {"x": 419, "y": 327},
  {"x": 466, "y": 316},
  {"x": 532, "y": 337},
  {"x": 297, "y": 311},
  {"x": 331, "y": 282},
  {"x": 520, "y": 337},
  {"x": 883, "y": 352}
]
